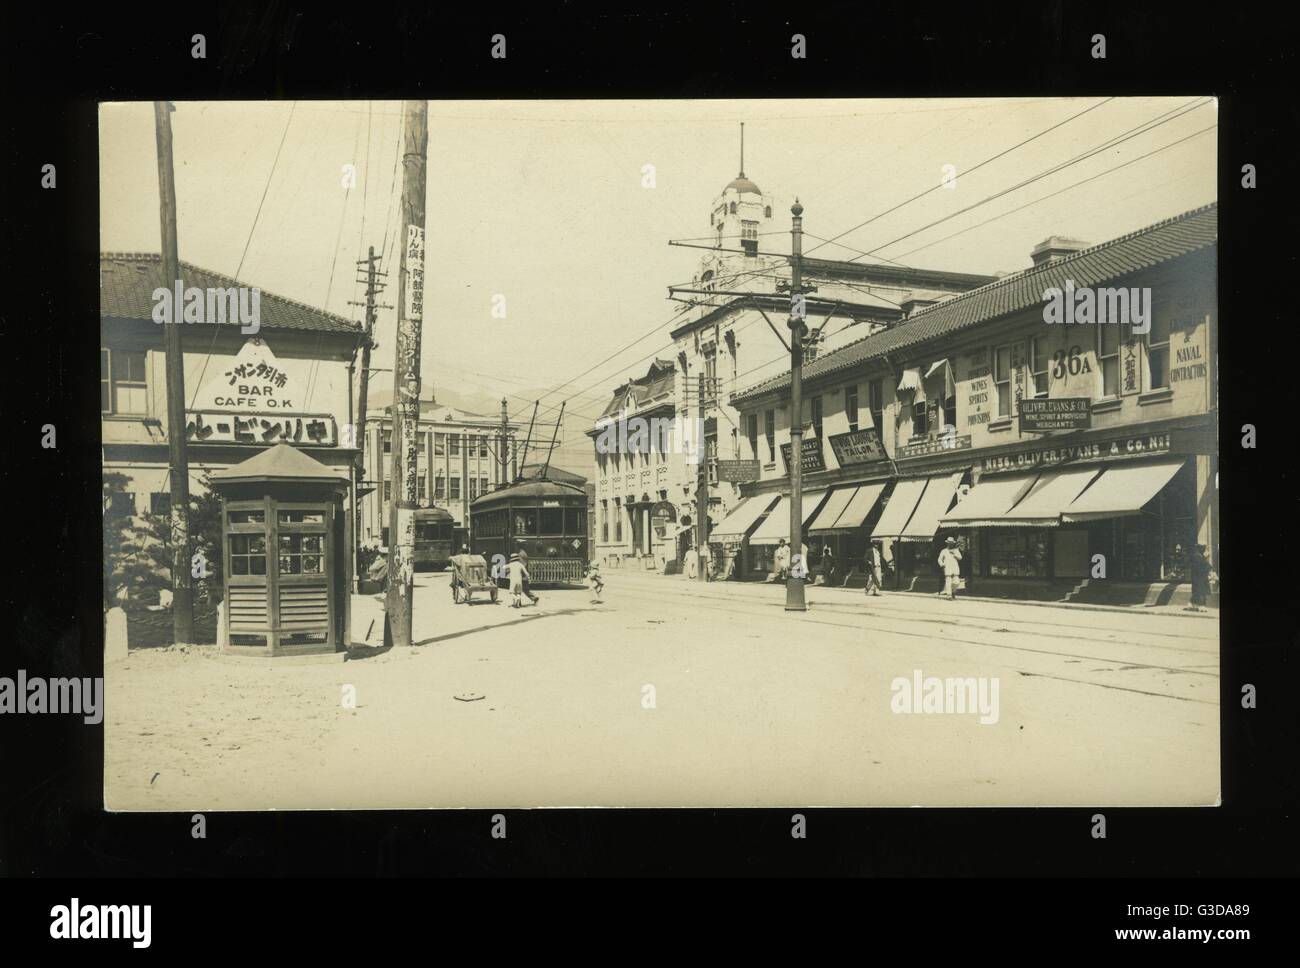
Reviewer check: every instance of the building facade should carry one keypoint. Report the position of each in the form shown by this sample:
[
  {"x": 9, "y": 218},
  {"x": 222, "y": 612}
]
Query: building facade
[
  {"x": 1078, "y": 452},
  {"x": 460, "y": 458},
  {"x": 286, "y": 383}
]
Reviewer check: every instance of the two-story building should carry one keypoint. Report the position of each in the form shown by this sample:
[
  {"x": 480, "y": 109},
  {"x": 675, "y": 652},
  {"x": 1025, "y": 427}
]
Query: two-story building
[
  {"x": 288, "y": 382},
  {"x": 460, "y": 458},
  {"x": 1074, "y": 453}
]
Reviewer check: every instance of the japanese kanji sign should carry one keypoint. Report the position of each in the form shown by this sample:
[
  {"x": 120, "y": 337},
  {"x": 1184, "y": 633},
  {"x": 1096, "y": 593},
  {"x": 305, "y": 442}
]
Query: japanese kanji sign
[{"x": 220, "y": 427}]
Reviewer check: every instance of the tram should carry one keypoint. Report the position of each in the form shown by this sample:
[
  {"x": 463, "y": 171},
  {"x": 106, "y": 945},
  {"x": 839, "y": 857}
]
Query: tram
[
  {"x": 547, "y": 518},
  {"x": 433, "y": 538}
]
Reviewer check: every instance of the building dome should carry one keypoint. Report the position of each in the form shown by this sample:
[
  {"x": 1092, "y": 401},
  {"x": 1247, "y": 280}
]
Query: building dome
[{"x": 742, "y": 184}]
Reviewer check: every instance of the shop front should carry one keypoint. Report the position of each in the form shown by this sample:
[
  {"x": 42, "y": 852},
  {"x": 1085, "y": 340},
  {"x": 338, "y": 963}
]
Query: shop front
[
  {"x": 908, "y": 528},
  {"x": 730, "y": 540},
  {"x": 838, "y": 535},
  {"x": 776, "y": 526}
]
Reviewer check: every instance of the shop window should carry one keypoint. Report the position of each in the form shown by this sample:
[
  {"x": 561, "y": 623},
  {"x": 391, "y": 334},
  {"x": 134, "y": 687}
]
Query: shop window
[
  {"x": 920, "y": 420},
  {"x": 1017, "y": 552},
  {"x": 851, "y": 406},
  {"x": 419, "y": 487},
  {"x": 876, "y": 404},
  {"x": 525, "y": 521},
  {"x": 1002, "y": 379},
  {"x": 1038, "y": 366},
  {"x": 1108, "y": 340},
  {"x": 302, "y": 554},
  {"x": 552, "y": 521},
  {"x": 454, "y": 492},
  {"x": 1158, "y": 352},
  {"x": 769, "y": 428},
  {"x": 122, "y": 385},
  {"x": 248, "y": 554},
  {"x": 440, "y": 444}
]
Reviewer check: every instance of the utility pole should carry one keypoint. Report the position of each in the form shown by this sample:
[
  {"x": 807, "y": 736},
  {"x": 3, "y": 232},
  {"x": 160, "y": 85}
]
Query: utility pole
[
  {"x": 503, "y": 451},
  {"x": 406, "y": 378},
  {"x": 178, "y": 463},
  {"x": 373, "y": 288},
  {"x": 794, "y": 585},
  {"x": 702, "y": 493}
]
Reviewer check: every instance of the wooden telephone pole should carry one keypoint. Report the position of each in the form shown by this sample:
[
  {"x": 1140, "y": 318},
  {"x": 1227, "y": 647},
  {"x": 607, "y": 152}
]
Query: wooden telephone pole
[
  {"x": 406, "y": 378},
  {"x": 702, "y": 490},
  {"x": 503, "y": 450},
  {"x": 794, "y": 585},
  {"x": 373, "y": 288},
  {"x": 178, "y": 463}
]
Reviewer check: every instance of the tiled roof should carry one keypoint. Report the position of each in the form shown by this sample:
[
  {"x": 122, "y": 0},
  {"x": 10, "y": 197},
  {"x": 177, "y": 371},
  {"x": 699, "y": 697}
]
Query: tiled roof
[
  {"x": 128, "y": 280},
  {"x": 1147, "y": 247}
]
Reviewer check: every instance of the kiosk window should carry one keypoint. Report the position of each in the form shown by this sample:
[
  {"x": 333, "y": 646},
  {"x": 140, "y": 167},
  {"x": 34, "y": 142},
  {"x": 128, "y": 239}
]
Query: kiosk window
[
  {"x": 301, "y": 554},
  {"x": 248, "y": 554}
]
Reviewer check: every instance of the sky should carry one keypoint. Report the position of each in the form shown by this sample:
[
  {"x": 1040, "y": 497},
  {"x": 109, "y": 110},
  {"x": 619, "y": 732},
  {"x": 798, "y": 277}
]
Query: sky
[{"x": 545, "y": 204}]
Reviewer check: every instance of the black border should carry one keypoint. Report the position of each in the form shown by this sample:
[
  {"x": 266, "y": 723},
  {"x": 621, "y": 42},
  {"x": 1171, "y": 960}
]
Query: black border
[{"x": 59, "y": 61}]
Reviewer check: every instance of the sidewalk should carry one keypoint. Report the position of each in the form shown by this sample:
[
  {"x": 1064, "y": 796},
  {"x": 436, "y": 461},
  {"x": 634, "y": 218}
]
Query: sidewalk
[{"x": 1208, "y": 613}]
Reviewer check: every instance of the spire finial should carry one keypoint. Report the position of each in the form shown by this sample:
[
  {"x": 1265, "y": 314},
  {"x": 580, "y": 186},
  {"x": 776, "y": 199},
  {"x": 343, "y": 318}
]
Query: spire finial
[{"x": 742, "y": 149}]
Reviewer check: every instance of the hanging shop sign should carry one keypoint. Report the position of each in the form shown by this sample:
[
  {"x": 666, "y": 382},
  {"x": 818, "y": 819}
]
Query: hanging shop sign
[
  {"x": 738, "y": 471},
  {"x": 939, "y": 444},
  {"x": 1145, "y": 445},
  {"x": 858, "y": 447},
  {"x": 1039, "y": 416},
  {"x": 810, "y": 451}
]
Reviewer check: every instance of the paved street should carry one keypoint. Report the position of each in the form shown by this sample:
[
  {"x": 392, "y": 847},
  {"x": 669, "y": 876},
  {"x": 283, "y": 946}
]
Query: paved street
[{"x": 751, "y": 706}]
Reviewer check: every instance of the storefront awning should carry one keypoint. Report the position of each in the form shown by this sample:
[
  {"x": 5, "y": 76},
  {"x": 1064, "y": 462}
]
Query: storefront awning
[
  {"x": 832, "y": 509},
  {"x": 1121, "y": 490},
  {"x": 1051, "y": 494},
  {"x": 742, "y": 517},
  {"x": 911, "y": 381},
  {"x": 939, "y": 375},
  {"x": 899, "y": 509},
  {"x": 777, "y": 525},
  {"x": 989, "y": 501},
  {"x": 934, "y": 502},
  {"x": 861, "y": 505}
]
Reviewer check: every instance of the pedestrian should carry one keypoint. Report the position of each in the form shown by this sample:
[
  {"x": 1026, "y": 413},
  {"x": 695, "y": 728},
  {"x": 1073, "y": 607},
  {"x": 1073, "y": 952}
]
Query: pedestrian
[
  {"x": 827, "y": 565},
  {"x": 950, "y": 565},
  {"x": 518, "y": 581},
  {"x": 1202, "y": 572},
  {"x": 523, "y": 558},
  {"x": 782, "y": 560},
  {"x": 874, "y": 567},
  {"x": 706, "y": 561},
  {"x": 692, "y": 563},
  {"x": 594, "y": 580}
]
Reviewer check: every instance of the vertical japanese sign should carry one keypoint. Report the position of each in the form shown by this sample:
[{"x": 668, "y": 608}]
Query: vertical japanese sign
[
  {"x": 410, "y": 349},
  {"x": 1130, "y": 376}
]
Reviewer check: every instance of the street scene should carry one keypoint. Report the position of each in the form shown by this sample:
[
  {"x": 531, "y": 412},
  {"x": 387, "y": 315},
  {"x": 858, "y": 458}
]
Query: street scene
[{"x": 530, "y": 454}]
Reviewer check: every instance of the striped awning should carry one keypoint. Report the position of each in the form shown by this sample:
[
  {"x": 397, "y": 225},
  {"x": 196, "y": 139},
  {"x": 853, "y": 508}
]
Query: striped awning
[
  {"x": 988, "y": 502},
  {"x": 1051, "y": 494},
  {"x": 743, "y": 517},
  {"x": 777, "y": 525},
  {"x": 832, "y": 509},
  {"x": 934, "y": 503},
  {"x": 1122, "y": 490},
  {"x": 899, "y": 509},
  {"x": 860, "y": 507}
]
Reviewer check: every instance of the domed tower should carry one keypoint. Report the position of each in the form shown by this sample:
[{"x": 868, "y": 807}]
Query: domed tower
[{"x": 740, "y": 215}]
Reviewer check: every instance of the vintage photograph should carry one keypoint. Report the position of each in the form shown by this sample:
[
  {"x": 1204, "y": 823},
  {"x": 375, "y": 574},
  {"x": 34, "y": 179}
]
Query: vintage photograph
[{"x": 660, "y": 453}]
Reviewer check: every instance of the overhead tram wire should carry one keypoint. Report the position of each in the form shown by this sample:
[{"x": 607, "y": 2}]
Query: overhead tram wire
[
  {"x": 1132, "y": 133},
  {"x": 968, "y": 171},
  {"x": 198, "y": 385}
]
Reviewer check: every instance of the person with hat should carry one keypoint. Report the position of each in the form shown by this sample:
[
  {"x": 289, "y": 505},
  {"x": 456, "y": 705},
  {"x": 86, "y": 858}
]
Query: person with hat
[
  {"x": 781, "y": 560},
  {"x": 1202, "y": 574},
  {"x": 950, "y": 565},
  {"x": 522, "y": 555},
  {"x": 518, "y": 576}
]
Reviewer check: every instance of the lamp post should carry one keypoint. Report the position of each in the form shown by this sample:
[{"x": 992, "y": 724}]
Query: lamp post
[{"x": 794, "y": 584}]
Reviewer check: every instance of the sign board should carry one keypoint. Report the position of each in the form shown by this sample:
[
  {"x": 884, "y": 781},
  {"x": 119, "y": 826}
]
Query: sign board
[
  {"x": 1145, "y": 445},
  {"x": 217, "y": 427},
  {"x": 858, "y": 447},
  {"x": 812, "y": 458},
  {"x": 1039, "y": 416},
  {"x": 254, "y": 381},
  {"x": 941, "y": 444},
  {"x": 738, "y": 471},
  {"x": 414, "y": 272}
]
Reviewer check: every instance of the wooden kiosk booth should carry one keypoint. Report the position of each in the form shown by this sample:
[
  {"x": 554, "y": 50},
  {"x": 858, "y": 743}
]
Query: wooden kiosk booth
[{"x": 286, "y": 555}]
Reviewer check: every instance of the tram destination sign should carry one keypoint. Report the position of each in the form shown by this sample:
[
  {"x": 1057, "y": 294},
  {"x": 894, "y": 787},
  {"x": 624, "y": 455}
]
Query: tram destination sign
[{"x": 1063, "y": 413}]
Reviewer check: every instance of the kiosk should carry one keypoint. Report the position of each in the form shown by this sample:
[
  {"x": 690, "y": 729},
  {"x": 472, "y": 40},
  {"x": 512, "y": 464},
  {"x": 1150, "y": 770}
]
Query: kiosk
[{"x": 285, "y": 544}]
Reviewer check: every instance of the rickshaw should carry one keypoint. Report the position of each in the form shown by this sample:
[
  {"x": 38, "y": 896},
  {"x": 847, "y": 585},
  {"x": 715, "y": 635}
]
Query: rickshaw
[{"x": 469, "y": 574}]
